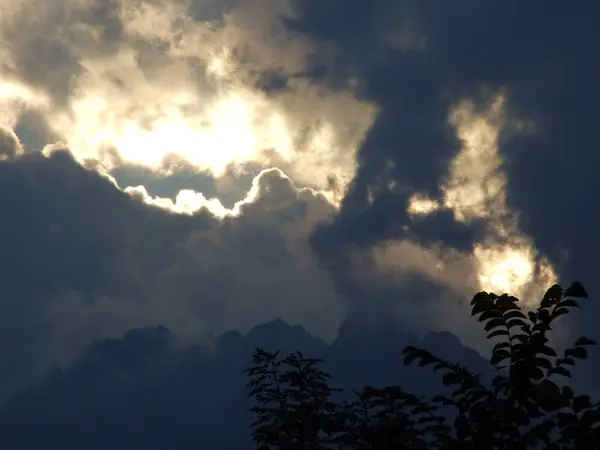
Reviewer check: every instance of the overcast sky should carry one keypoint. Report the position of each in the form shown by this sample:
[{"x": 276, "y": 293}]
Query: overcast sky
[{"x": 214, "y": 164}]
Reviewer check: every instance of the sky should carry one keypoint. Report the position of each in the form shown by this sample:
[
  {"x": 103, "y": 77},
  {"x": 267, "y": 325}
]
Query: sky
[{"x": 210, "y": 165}]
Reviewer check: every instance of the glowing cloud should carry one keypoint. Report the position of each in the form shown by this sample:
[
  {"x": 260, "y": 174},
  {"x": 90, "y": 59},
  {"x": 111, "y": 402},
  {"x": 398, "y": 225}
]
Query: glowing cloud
[
  {"x": 190, "y": 202},
  {"x": 233, "y": 129},
  {"x": 515, "y": 268},
  {"x": 419, "y": 204},
  {"x": 476, "y": 186},
  {"x": 169, "y": 89},
  {"x": 475, "y": 189},
  {"x": 173, "y": 90}
]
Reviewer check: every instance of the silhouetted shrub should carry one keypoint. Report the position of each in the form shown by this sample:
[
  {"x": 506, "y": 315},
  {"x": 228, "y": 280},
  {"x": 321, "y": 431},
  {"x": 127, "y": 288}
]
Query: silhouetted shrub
[{"x": 525, "y": 405}]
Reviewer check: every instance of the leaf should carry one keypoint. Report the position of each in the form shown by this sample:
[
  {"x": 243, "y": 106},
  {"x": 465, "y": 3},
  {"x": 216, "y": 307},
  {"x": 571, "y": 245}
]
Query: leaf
[
  {"x": 559, "y": 312},
  {"x": 566, "y": 361},
  {"x": 493, "y": 324},
  {"x": 424, "y": 357},
  {"x": 480, "y": 297},
  {"x": 526, "y": 329},
  {"x": 543, "y": 362},
  {"x": 548, "y": 396},
  {"x": 507, "y": 302},
  {"x": 499, "y": 356},
  {"x": 560, "y": 371},
  {"x": 540, "y": 432},
  {"x": 552, "y": 296},
  {"x": 589, "y": 418},
  {"x": 450, "y": 378},
  {"x": 567, "y": 392},
  {"x": 502, "y": 298},
  {"x": 515, "y": 323},
  {"x": 514, "y": 314},
  {"x": 536, "y": 373},
  {"x": 500, "y": 345},
  {"x": 542, "y": 326},
  {"x": 523, "y": 338},
  {"x": 443, "y": 400},
  {"x": 577, "y": 352},
  {"x": 576, "y": 290},
  {"x": 569, "y": 302},
  {"x": 410, "y": 354},
  {"x": 500, "y": 332},
  {"x": 544, "y": 315},
  {"x": 584, "y": 341},
  {"x": 480, "y": 303},
  {"x": 565, "y": 419},
  {"x": 545, "y": 350},
  {"x": 580, "y": 403},
  {"x": 489, "y": 314},
  {"x": 569, "y": 432}
]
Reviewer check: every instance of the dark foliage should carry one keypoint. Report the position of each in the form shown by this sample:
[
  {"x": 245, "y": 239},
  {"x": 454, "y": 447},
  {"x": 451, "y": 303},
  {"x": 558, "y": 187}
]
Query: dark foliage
[{"x": 526, "y": 404}]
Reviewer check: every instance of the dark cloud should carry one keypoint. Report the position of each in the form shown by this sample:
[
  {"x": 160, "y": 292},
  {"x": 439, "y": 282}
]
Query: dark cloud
[
  {"x": 540, "y": 54},
  {"x": 543, "y": 54},
  {"x": 545, "y": 58},
  {"x": 62, "y": 227},
  {"x": 81, "y": 259},
  {"x": 410, "y": 143}
]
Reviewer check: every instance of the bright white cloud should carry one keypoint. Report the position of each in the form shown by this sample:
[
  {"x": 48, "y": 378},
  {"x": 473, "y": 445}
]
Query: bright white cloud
[
  {"x": 475, "y": 189},
  {"x": 419, "y": 204},
  {"x": 190, "y": 202},
  {"x": 170, "y": 89},
  {"x": 476, "y": 185}
]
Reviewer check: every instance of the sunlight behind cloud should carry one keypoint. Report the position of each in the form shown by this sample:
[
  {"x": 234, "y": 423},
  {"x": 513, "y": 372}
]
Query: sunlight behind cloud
[
  {"x": 146, "y": 84},
  {"x": 476, "y": 186},
  {"x": 179, "y": 91},
  {"x": 475, "y": 189},
  {"x": 174, "y": 92},
  {"x": 419, "y": 204},
  {"x": 190, "y": 202},
  {"x": 227, "y": 129},
  {"x": 503, "y": 268},
  {"x": 514, "y": 269},
  {"x": 233, "y": 129}
]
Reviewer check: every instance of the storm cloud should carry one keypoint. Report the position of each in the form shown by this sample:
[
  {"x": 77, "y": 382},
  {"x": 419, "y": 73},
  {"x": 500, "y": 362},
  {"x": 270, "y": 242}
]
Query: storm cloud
[
  {"x": 213, "y": 165},
  {"x": 81, "y": 259}
]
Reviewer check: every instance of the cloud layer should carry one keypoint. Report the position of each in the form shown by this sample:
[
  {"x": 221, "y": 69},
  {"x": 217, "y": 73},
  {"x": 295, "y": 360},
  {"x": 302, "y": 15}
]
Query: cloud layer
[
  {"x": 82, "y": 259},
  {"x": 362, "y": 155}
]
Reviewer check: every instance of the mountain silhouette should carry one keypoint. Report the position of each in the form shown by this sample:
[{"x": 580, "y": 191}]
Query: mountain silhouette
[{"x": 147, "y": 391}]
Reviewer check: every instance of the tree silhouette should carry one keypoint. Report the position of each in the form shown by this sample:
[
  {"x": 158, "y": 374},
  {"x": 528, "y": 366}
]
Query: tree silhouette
[
  {"x": 293, "y": 408},
  {"x": 526, "y": 404}
]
